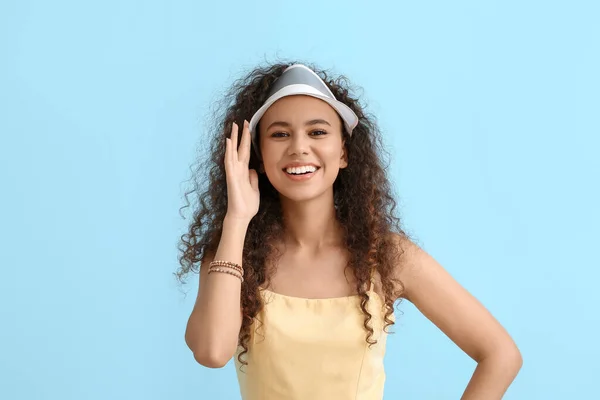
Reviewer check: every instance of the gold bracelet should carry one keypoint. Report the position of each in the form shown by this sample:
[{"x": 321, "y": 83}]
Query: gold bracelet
[
  {"x": 227, "y": 264},
  {"x": 215, "y": 269}
]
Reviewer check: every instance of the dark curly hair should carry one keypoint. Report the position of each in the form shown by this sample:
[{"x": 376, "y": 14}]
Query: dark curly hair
[{"x": 363, "y": 200}]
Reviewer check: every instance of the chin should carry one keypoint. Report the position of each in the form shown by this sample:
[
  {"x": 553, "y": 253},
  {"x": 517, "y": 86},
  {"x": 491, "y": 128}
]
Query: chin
[
  {"x": 302, "y": 194},
  {"x": 299, "y": 199}
]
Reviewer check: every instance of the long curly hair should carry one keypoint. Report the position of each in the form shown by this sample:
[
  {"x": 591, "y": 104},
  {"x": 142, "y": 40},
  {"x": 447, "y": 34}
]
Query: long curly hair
[{"x": 363, "y": 200}]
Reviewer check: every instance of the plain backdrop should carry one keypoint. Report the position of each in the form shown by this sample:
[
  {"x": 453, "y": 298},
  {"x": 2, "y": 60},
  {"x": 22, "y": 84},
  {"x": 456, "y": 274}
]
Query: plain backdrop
[{"x": 490, "y": 110}]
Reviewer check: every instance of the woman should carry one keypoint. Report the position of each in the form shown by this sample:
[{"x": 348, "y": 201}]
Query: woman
[{"x": 302, "y": 257}]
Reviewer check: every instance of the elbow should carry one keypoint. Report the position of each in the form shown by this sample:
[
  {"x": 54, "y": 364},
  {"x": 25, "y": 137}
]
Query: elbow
[
  {"x": 512, "y": 356},
  {"x": 512, "y": 361},
  {"x": 517, "y": 358},
  {"x": 210, "y": 355},
  {"x": 212, "y": 359},
  {"x": 210, "y": 349},
  {"x": 509, "y": 358}
]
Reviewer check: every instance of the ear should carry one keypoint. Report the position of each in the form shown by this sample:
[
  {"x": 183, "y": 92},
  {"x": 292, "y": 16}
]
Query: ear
[{"x": 344, "y": 156}]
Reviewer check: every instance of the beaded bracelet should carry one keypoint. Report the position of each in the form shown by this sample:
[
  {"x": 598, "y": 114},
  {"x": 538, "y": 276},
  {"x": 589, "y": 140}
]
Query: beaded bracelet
[
  {"x": 227, "y": 264},
  {"x": 225, "y": 271}
]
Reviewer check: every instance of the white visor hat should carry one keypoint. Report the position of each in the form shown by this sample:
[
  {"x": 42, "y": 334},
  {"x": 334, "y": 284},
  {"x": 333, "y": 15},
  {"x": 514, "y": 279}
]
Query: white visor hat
[{"x": 298, "y": 79}]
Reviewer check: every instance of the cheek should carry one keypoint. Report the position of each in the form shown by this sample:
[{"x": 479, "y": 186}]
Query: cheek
[
  {"x": 271, "y": 167},
  {"x": 332, "y": 153}
]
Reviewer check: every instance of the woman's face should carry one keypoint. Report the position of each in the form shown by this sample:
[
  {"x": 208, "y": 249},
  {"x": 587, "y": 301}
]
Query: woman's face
[{"x": 302, "y": 130}]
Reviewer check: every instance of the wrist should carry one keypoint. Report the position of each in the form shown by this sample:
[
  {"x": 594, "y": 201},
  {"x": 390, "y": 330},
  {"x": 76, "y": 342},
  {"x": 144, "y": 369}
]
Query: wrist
[{"x": 236, "y": 222}]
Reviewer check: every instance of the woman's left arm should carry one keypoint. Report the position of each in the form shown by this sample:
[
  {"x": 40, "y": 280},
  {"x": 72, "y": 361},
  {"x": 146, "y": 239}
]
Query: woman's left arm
[{"x": 464, "y": 320}]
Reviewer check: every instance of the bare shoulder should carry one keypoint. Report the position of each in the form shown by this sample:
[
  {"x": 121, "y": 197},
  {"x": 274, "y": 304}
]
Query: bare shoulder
[
  {"x": 411, "y": 257},
  {"x": 418, "y": 271}
]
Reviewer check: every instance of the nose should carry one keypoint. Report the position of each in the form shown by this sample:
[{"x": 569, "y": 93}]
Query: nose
[{"x": 298, "y": 145}]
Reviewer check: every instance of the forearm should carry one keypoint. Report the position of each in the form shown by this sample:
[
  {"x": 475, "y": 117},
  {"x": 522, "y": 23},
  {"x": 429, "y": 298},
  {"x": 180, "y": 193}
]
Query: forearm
[
  {"x": 214, "y": 325},
  {"x": 493, "y": 376}
]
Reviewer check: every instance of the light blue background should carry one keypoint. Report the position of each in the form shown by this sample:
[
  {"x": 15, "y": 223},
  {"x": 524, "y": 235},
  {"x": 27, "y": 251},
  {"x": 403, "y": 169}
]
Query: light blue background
[{"x": 490, "y": 108}]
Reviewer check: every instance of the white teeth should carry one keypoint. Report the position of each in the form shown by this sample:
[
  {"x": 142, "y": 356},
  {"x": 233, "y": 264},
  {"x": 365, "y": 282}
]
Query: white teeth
[{"x": 301, "y": 170}]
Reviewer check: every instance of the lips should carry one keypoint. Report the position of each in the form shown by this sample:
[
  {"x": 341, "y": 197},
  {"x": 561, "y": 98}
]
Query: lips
[
  {"x": 304, "y": 165},
  {"x": 298, "y": 165},
  {"x": 301, "y": 177}
]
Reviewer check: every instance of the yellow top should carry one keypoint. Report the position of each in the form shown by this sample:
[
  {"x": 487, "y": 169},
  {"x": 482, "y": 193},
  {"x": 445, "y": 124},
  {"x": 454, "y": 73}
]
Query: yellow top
[{"x": 314, "y": 349}]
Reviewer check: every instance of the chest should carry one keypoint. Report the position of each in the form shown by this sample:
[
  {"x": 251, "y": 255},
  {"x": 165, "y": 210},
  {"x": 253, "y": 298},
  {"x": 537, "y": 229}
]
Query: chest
[
  {"x": 313, "y": 276},
  {"x": 314, "y": 349},
  {"x": 327, "y": 325}
]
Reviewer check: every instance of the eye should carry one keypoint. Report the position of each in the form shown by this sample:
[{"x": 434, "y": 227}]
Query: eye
[{"x": 317, "y": 132}]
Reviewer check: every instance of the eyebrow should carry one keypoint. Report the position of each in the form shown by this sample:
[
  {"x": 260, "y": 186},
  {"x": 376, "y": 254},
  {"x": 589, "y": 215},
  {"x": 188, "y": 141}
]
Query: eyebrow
[{"x": 307, "y": 123}]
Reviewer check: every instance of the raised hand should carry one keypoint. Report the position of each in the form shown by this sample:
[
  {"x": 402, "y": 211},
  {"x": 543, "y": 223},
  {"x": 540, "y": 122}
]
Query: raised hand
[{"x": 243, "y": 197}]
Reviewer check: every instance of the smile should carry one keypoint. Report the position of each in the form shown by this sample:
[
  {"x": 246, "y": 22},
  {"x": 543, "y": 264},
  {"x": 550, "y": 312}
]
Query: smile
[{"x": 301, "y": 177}]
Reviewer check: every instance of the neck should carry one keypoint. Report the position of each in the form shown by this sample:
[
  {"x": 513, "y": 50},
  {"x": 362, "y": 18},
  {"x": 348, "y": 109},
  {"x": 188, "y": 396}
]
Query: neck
[{"x": 311, "y": 225}]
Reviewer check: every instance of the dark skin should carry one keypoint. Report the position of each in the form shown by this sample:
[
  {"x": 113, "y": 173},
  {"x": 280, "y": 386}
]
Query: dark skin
[
  {"x": 313, "y": 263},
  {"x": 307, "y": 130}
]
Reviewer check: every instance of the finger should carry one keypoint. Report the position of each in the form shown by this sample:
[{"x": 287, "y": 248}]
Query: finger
[
  {"x": 244, "y": 153},
  {"x": 253, "y": 176},
  {"x": 234, "y": 142},
  {"x": 227, "y": 159}
]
